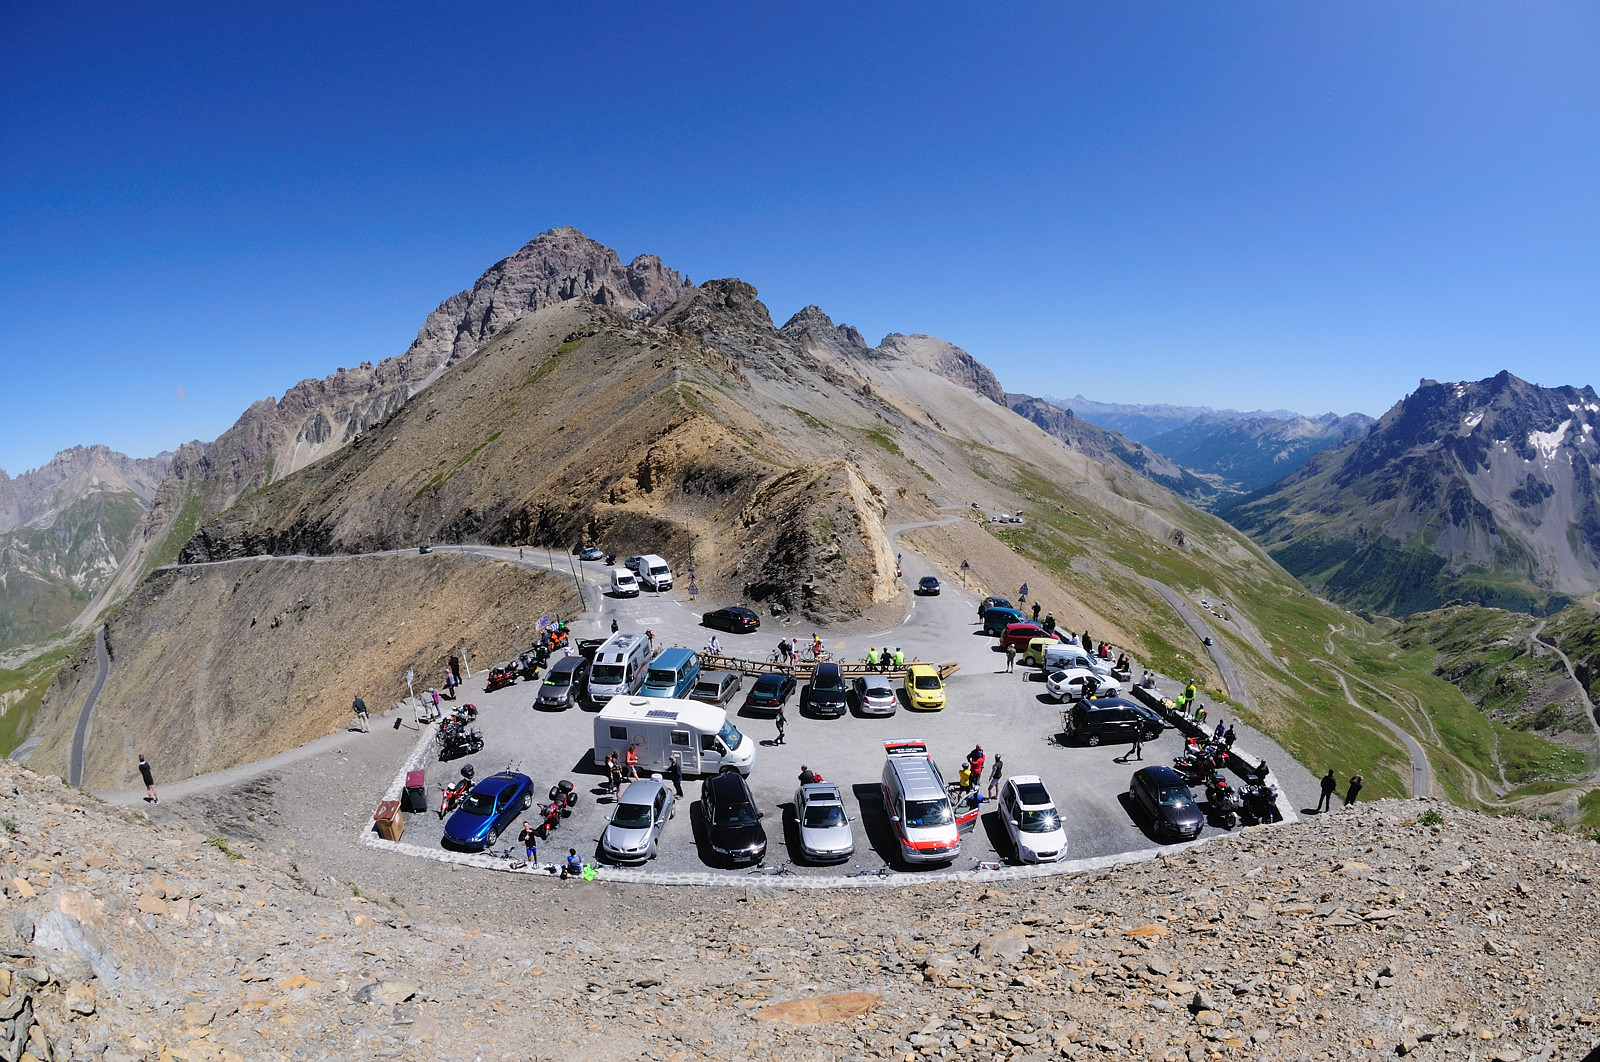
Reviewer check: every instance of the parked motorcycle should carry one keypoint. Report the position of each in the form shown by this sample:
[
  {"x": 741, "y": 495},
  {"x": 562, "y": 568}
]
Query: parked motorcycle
[
  {"x": 564, "y": 793},
  {"x": 457, "y": 739},
  {"x": 528, "y": 665},
  {"x": 454, "y": 791},
  {"x": 1223, "y": 802},
  {"x": 1259, "y": 801},
  {"x": 500, "y": 676}
]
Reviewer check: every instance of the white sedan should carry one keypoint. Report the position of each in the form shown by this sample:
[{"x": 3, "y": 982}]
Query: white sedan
[
  {"x": 1075, "y": 683},
  {"x": 1031, "y": 820}
]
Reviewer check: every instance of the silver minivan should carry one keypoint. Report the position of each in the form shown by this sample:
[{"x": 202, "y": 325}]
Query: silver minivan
[
  {"x": 619, "y": 667},
  {"x": 918, "y": 804}
]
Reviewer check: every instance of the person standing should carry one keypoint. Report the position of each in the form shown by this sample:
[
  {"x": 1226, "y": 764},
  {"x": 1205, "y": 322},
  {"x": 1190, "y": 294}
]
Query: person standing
[
  {"x": 1011, "y": 656},
  {"x": 994, "y": 776},
  {"x": 975, "y": 760},
  {"x": 530, "y": 842},
  {"x": 675, "y": 772},
  {"x": 1036, "y": 612},
  {"x": 1087, "y": 641},
  {"x": 633, "y": 761},
  {"x": 1354, "y": 790},
  {"x": 149, "y": 782},
  {"x": 449, "y": 685},
  {"x": 455, "y": 669},
  {"x": 359, "y": 707},
  {"x": 1330, "y": 785},
  {"x": 783, "y": 721},
  {"x": 614, "y": 772},
  {"x": 1228, "y": 737},
  {"x": 613, "y": 625}
]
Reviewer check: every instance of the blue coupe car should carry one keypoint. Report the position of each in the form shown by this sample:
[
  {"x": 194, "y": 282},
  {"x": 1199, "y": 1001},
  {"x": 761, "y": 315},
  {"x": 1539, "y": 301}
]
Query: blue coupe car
[{"x": 484, "y": 813}]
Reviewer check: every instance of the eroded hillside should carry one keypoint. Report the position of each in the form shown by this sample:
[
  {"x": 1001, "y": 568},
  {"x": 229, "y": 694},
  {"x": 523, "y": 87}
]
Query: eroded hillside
[{"x": 227, "y": 664}]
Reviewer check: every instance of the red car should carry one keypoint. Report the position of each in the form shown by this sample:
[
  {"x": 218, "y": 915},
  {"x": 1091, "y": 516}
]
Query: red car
[{"x": 1020, "y": 634}]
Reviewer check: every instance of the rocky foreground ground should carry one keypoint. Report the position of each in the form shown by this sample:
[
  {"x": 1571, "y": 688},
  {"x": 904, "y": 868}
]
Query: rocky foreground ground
[{"x": 1375, "y": 932}]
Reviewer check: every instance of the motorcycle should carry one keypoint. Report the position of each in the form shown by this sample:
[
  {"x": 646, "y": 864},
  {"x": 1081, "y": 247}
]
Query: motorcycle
[
  {"x": 550, "y": 816},
  {"x": 1260, "y": 802},
  {"x": 500, "y": 676},
  {"x": 452, "y": 792},
  {"x": 528, "y": 665},
  {"x": 457, "y": 739},
  {"x": 1223, "y": 801},
  {"x": 564, "y": 794}
]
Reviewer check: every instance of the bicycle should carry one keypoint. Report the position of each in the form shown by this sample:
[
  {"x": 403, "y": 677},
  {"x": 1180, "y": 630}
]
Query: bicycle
[
  {"x": 810, "y": 655},
  {"x": 868, "y": 872},
  {"x": 781, "y": 870}
]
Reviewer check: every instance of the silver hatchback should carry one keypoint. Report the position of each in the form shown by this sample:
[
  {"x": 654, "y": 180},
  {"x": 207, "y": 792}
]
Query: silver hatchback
[
  {"x": 875, "y": 695},
  {"x": 823, "y": 823},
  {"x": 634, "y": 832}
]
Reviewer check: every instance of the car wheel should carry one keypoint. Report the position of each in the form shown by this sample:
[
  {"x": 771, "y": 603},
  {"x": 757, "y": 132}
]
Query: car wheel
[
  {"x": 494, "y": 838},
  {"x": 1092, "y": 740},
  {"x": 652, "y": 854},
  {"x": 527, "y": 800}
]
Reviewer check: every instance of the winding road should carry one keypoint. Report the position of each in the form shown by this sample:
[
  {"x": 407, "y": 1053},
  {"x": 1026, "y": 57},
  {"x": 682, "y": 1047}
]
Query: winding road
[
  {"x": 1421, "y": 775},
  {"x": 1219, "y": 656},
  {"x": 1588, "y": 705},
  {"x": 80, "y": 736}
]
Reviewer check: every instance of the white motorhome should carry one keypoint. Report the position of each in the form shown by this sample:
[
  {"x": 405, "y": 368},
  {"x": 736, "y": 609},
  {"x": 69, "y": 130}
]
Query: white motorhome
[
  {"x": 700, "y": 735},
  {"x": 619, "y": 667},
  {"x": 653, "y": 571},
  {"x": 623, "y": 583}
]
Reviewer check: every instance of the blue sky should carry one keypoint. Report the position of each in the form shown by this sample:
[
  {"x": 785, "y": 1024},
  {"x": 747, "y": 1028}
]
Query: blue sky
[{"x": 1307, "y": 206}]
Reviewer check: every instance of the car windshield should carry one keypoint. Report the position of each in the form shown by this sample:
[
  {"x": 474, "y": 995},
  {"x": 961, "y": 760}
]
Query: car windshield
[
  {"x": 1174, "y": 796},
  {"x": 660, "y": 569},
  {"x": 631, "y": 817},
  {"x": 921, "y": 813},
  {"x": 740, "y": 814},
  {"x": 927, "y": 682},
  {"x": 1039, "y": 820},
  {"x": 558, "y": 678},
  {"x": 819, "y": 816},
  {"x": 661, "y": 677},
  {"x": 730, "y": 736},
  {"x": 478, "y": 804},
  {"x": 606, "y": 674}
]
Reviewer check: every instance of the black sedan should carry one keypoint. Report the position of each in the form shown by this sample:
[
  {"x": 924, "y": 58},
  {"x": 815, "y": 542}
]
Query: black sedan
[
  {"x": 928, "y": 586},
  {"x": 733, "y": 825},
  {"x": 770, "y": 692},
  {"x": 734, "y": 619},
  {"x": 827, "y": 695},
  {"x": 1163, "y": 795}
]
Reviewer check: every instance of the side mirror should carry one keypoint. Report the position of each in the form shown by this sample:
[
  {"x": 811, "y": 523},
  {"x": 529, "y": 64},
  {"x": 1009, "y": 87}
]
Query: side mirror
[
  {"x": 893, "y": 817},
  {"x": 1012, "y": 821},
  {"x": 761, "y": 814}
]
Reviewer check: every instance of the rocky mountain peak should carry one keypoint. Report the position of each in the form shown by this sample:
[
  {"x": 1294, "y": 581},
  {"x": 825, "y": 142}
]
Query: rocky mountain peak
[
  {"x": 812, "y": 327},
  {"x": 948, "y": 360}
]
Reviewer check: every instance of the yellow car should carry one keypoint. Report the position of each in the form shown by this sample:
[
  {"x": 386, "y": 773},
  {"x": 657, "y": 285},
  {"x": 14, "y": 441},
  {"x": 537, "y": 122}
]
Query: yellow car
[{"x": 924, "y": 687}]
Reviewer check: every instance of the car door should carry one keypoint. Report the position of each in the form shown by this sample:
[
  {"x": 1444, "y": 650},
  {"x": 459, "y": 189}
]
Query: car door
[
  {"x": 1008, "y": 814},
  {"x": 658, "y": 815}
]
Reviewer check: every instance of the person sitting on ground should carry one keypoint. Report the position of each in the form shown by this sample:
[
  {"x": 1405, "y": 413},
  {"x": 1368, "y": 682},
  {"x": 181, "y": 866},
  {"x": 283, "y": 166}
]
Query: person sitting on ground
[
  {"x": 1216, "y": 735},
  {"x": 574, "y": 867},
  {"x": 1122, "y": 661}
]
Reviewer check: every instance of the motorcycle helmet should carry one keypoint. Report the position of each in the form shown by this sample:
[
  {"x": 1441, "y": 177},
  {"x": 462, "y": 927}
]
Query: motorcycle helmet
[{"x": 467, "y": 772}]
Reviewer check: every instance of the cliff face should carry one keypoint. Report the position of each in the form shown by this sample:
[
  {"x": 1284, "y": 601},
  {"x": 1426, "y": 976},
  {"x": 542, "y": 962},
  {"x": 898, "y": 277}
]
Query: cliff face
[{"x": 1486, "y": 491}]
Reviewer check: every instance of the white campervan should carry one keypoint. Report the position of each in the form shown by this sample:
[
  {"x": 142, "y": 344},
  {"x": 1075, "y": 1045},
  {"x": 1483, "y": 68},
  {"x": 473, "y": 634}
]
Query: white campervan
[
  {"x": 619, "y": 667},
  {"x": 623, "y": 583},
  {"x": 702, "y": 737},
  {"x": 654, "y": 573}
]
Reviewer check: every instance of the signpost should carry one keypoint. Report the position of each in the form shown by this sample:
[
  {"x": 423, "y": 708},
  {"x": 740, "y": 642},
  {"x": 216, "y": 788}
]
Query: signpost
[{"x": 965, "y": 567}]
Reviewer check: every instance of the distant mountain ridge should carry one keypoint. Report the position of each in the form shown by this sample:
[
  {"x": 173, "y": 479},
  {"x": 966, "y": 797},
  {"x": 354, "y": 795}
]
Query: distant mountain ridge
[
  {"x": 64, "y": 528},
  {"x": 1105, "y": 444},
  {"x": 1486, "y": 492},
  {"x": 1143, "y": 422},
  {"x": 1248, "y": 451}
]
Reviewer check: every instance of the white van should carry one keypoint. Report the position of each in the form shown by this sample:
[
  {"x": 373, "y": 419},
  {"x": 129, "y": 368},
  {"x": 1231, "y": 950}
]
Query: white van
[
  {"x": 623, "y": 583},
  {"x": 619, "y": 667},
  {"x": 1060, "y": 657},
  {"x": 918, "y": 804},
  {"x": 653, "y": 571},
  {"x": 701, "y": 736}
]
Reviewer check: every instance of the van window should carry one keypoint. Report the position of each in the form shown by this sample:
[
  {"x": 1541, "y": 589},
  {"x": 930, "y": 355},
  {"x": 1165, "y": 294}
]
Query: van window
[
  {"x": 660, "y": 569},
  {"x": 680, "y": 737},
  {"x": 661, "y": 676},
  {"x": 709, "y": 743},
  {"x": 619, "y": 733}
]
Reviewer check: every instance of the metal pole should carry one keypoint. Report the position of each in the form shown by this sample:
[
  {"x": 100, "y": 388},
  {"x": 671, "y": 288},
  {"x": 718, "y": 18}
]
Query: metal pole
[{"x": 571, "y": 563}]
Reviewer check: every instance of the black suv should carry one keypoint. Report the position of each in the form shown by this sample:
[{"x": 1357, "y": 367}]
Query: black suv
[
  {"x": 733, "y": 825},
  {"x": 827, "y": 696},
  {"x": 1113, "y": 719},
  {"x": 1163, "y": 795}
]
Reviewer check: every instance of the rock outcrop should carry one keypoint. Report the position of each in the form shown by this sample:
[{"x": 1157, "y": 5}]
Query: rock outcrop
[{"x": 948, "y": 360}]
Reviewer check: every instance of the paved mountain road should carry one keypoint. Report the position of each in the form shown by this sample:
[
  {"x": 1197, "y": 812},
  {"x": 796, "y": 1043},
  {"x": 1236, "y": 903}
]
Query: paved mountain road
[
  {"x": 1219, "y": 656},
  {"x": 80, "y": 736},
  {"x": 1588, "y": 705}
]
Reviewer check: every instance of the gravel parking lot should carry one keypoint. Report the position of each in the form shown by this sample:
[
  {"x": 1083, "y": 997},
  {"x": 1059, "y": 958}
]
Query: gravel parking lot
[{"x": 1007, "y": 712}]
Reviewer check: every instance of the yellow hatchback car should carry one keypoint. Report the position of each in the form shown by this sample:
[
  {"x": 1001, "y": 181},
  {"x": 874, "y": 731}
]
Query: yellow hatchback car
[{"x": 924, "y": 687}]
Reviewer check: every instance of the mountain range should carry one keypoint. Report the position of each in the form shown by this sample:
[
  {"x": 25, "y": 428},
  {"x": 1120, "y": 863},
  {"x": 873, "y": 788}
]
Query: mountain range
[
  {"x": 565, "y": 397},
  {"x": 1486, "y": 492}
]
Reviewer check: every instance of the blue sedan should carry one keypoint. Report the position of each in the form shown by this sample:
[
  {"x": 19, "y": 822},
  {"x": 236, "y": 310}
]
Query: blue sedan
[{"x": 484, "y": 813}]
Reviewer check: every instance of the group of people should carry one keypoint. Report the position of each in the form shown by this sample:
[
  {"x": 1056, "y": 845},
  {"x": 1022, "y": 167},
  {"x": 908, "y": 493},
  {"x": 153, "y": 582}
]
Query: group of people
[
  {"x": 885, "y": 658},
  {"x": 971, "y": 775},
  {"x": 1330, "y": 786},
  {"x": 625, "y": 767}
]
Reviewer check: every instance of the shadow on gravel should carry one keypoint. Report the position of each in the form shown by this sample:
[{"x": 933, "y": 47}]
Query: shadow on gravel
[
  {"x": 999, "y": 839},
  {"x": 875, "y": 823}
]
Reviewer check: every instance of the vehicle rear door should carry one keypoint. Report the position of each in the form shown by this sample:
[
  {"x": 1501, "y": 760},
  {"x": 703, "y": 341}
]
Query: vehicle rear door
[{"x": 682, "y": 742}]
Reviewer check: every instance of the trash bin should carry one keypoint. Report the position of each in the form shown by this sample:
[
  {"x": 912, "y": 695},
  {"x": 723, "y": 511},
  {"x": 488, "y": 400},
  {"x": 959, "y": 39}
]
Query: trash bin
[
  {"x": 390, "y": 824},
  {"x": 415, "y": 796}
]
